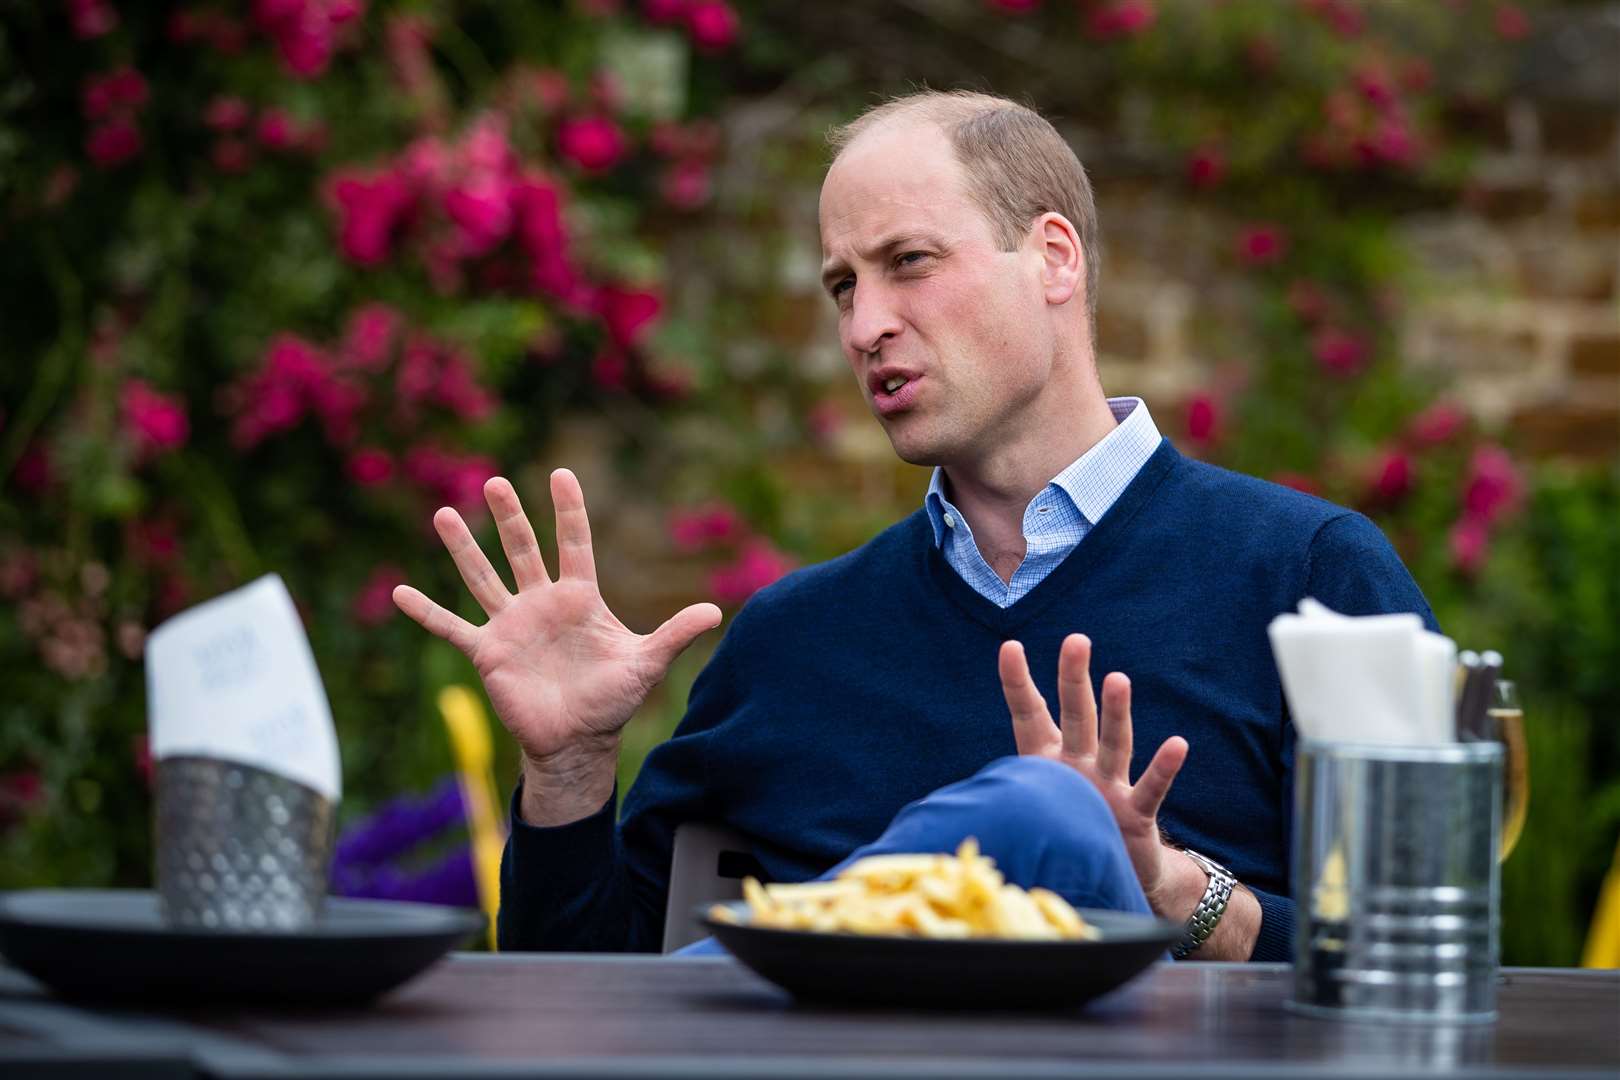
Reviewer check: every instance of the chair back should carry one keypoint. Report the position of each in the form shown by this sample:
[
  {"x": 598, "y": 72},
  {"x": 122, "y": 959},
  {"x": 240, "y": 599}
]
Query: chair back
[{"x": 707, "y": 867}]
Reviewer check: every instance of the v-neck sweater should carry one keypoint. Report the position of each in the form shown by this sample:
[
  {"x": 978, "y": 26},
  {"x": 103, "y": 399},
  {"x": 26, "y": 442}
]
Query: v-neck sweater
[{"x": 848, "y": 689}]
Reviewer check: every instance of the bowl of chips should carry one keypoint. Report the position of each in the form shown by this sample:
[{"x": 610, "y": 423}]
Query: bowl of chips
[{"x": 935, "y": 931}]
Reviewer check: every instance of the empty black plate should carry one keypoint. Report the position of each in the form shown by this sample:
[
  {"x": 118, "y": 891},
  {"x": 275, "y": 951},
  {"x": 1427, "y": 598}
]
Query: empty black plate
[
  {"x": 112, "y": 943},
  {"x": 977, "y": 973}
]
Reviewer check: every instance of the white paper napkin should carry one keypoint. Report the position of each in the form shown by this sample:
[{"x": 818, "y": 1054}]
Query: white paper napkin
[
  {"x": 1371, "y": 679},
  {"x": 234, "y": 678}
]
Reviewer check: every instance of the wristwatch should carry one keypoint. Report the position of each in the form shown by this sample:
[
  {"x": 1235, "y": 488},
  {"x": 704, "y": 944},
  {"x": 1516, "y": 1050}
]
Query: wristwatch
[{"x": 1210, "y": 907}]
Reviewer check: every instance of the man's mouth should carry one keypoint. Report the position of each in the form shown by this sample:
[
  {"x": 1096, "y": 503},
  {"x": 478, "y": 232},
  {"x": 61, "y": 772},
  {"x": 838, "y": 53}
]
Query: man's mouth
[{"x": 895, "y": 394}]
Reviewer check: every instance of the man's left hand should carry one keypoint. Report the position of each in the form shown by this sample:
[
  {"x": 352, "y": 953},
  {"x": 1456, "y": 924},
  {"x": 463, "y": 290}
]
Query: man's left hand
[{"x": 1100, "y": 753}]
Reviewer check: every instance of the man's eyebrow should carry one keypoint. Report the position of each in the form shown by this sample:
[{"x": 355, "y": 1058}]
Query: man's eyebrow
[{"x": 834, "y": 270}]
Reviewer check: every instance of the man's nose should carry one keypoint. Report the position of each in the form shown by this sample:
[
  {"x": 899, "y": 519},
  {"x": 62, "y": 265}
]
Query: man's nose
[{"x": 873, "y": 319}]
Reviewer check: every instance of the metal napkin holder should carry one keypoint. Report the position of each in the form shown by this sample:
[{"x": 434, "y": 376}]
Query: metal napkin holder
[{"x": 239, "y": 848}]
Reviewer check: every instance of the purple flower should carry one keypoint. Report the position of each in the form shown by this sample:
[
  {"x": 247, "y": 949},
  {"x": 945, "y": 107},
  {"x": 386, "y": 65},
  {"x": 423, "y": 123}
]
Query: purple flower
[{"x": 398, "y": 826}]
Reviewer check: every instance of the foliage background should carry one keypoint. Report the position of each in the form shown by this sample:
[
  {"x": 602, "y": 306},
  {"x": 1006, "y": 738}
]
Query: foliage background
[{"x": 279, "y": 278}]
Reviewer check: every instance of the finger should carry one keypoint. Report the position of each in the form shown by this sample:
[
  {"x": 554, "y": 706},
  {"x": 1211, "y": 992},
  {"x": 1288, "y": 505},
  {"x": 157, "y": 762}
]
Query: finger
[
  {"x": 435, "y": 619},
  {"x": 517, "y": 535},
  {"x": 1078, "y": 706},
  {"x": 667, "y": 642},
  {"x": 1033, "y": 730},
  {"x": 1114, "y": 733},
  {"x": 574, "y": 557},
  {"x": 1154, "y": 784},
  {"x": 482, "y": 580}
]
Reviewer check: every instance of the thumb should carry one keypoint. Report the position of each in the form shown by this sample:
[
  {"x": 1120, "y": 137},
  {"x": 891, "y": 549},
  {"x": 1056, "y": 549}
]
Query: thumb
[{"x": 667, "y": 642}]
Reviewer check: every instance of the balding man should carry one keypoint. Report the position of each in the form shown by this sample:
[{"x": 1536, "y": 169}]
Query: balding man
[{"x": 862, "y": 705}]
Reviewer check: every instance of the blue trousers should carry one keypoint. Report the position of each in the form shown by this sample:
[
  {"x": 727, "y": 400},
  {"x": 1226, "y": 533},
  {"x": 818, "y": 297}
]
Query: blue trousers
[{"x": 1043, "y": 823}]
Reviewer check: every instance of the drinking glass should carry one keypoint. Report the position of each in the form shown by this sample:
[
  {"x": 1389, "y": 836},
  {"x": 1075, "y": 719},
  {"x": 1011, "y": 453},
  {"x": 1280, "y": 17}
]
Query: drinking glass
[{"x": 1506, "y": 726}]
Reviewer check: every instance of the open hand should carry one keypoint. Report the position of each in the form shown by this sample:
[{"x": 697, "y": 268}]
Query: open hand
[
  {"x": 1100, "y": 754},
  {"x": 563, "y": 673}
]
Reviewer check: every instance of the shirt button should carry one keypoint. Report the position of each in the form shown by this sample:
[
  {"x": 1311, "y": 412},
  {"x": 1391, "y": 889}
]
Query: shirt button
[
  {"x": 950, "y": 521},
  {"x": 1043, "y": 509}
]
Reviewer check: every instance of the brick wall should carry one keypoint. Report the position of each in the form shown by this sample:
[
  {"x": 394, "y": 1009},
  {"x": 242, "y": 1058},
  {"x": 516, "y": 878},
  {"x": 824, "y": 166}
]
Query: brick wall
[{"x": 1517, "y": 310}]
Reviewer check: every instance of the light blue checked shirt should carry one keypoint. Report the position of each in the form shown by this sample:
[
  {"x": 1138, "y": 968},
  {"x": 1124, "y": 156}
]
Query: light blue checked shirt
[{"x": 1059, "y": 516}]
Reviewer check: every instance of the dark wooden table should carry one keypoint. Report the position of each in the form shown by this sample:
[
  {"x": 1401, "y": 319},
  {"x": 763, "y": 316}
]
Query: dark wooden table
[{"x": 596, "y": 1016}]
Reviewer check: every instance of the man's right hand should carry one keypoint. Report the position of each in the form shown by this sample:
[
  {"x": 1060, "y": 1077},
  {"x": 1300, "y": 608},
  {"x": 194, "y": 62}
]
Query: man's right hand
[{"x": 563, "y": 673}]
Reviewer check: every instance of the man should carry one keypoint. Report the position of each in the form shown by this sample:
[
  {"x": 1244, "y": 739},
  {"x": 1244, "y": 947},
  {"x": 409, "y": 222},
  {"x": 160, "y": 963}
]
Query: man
[{"x": 853, "y": 706}]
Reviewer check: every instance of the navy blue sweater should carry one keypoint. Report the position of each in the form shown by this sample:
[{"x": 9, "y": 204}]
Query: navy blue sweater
[{"x": 848, "y": 689}]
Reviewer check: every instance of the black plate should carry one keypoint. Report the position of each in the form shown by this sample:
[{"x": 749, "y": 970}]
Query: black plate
[
  {"x": 978, "y": 973},
  {"x": 112, "y": 943}
]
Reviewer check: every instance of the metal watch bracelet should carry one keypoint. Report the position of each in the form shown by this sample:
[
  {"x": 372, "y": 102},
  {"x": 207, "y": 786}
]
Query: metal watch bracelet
[{"x": 1211, "y": 906}]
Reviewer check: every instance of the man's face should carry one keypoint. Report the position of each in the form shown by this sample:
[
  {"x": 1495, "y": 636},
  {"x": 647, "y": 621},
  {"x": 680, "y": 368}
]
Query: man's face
[{"x": 925, "y": 296}]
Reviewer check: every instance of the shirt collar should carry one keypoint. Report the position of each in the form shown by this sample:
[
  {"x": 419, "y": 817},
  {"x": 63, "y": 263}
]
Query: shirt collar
[{"x": 1093, "y": 480}]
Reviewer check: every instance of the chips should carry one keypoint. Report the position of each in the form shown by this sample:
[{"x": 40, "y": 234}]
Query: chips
[{"x": 932, "y": 896}]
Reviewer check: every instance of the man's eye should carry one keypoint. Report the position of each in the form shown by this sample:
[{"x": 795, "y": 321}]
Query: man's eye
[
  {"x": 842, "y": 287},
  {"x": 911, "y": 258}
]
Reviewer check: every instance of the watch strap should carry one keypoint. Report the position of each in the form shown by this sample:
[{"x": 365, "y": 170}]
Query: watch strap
[{"x": 1211, "y": 906}]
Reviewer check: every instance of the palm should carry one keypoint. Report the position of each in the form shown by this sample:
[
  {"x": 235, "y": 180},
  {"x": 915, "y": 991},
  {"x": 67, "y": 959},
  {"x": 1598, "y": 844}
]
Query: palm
[
  {"x": 559, "y": 667},
  {"x": 1099, "y": 752}
]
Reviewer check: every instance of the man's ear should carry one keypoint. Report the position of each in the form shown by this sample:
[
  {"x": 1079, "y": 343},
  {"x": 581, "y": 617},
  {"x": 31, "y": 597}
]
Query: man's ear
[{"x": 1063, "y": 260}]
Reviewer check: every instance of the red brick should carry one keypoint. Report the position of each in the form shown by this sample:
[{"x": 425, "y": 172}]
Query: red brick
[
  {"x": 1586, "y": 430},
  {"x": 1595, "y": 354}
]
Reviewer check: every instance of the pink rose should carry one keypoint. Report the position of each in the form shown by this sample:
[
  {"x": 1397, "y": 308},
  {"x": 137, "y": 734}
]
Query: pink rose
[
  {"x": 1391, "y": 477},
  {"x": 627, "y": 313},
  {"x": 594, "y": 143},
  {"x": 664, "y": 11},
  {"x": 1470, "y": 543},
  {"x": 227, "y": 113},
  {"x": 1392, "y": 141},
  {"x": 1121, "y": 18},
  {"x": 370, "y": 336},
  {"x": 374, "y": 603},
  {"x": 1262, "y": 244},
  {"x": 152, "y": 543},
  {"x": 685, "y": 184},
  {"x": 550, "y": 89},
  {"x": 1512, "y": 24},
  {"x": 231, "y": 156},
  {"x": 1345, "y": 19},
  {"x": 1337, "y": 351},
  {"x": 338, "y": 403},
  {"x": 91, "y": 18},
  {"x": 1494, "y": 487},
  {"x": 370, "y": 209},
  {"x": 705, "y": 526},
  {"x": 276, "y": 130},
  {"x": 1203, "y": 419},
  {"x": 610, "y": 369},
  {"x": 713, "y": 24},
  {"x": 458, "y": 391},
  {"x": 1438, "y": 423},
  {"x": 156, "y": 423},
  {"x": 758, "y": 566},
  {"x": 35, "y": 472},
  {"x": 369, "y": 466},
  {"x": 1376, "y": 85},
  {"x": 539, "y": 210},
  {"x": 1206, "y": 167},
  {"x": 112, "y": 143},
  {"x": 481, "y": 210},
  {"x": 453, "y": 481}
]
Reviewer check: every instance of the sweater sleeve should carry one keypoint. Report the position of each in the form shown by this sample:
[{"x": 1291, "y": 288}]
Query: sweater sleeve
[
  {"x": 596, "y": 886},
  {"x": 1352, "y": 569}
]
